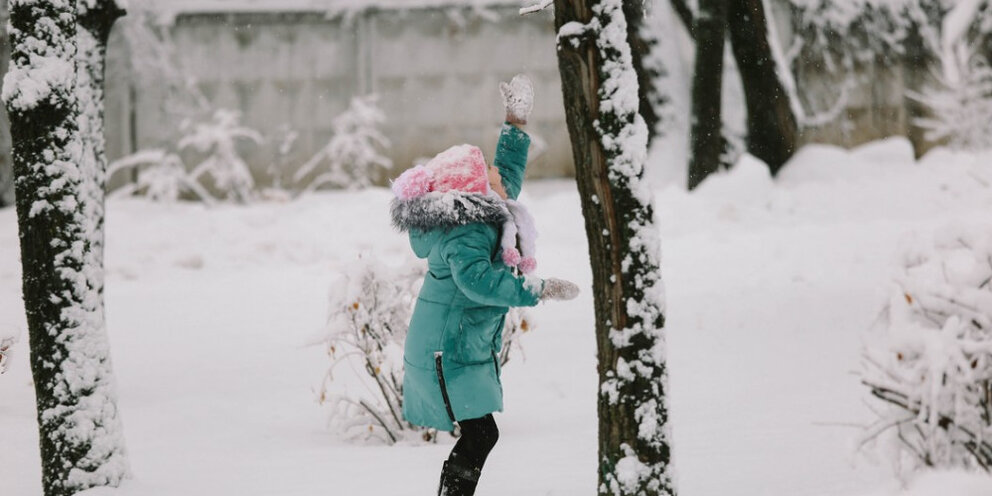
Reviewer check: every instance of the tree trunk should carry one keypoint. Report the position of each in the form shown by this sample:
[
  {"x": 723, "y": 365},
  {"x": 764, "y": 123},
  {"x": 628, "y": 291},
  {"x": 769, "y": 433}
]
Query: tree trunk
[
  {"x": 95, "y": 22},
  {"x": 681, "y": 8},
  {"x": 772, "y": 130},
  {"x": 6, "y": 167},
  {"x": 80, "y": 434},
  {"x": 647, "y": 64},
  {"x": 916, "y": 63},
  {"x": 609, "y": 146},
  {"x": 707, "y": 143}
]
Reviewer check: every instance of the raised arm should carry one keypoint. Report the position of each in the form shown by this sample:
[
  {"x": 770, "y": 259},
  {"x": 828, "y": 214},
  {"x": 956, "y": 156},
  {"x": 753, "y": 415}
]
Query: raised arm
[{"x": 514, "y": 143}]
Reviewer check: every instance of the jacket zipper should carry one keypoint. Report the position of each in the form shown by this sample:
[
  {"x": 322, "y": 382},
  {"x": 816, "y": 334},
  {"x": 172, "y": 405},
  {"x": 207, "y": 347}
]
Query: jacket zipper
[{"x": 444, "y": 388}]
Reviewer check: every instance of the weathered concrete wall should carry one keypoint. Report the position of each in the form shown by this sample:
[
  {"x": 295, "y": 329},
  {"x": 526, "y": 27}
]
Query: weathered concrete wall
[{"x": 436, "y": 72}]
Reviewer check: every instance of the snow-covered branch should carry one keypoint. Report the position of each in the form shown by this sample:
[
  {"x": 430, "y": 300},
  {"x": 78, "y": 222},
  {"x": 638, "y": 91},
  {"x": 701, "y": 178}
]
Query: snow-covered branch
[
  {"x": 543, "y": 4},
  {"x": 6, "y": 349},
  {"x": 931, "y": 365}
]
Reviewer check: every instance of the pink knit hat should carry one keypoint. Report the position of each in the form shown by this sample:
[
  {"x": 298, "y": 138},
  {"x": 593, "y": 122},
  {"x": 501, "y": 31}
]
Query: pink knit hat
[{"x": 459, "y": 168}]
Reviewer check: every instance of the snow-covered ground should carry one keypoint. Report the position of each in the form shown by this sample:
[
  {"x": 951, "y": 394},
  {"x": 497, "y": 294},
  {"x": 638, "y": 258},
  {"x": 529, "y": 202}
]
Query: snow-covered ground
[{"x": 770, "y": 286}]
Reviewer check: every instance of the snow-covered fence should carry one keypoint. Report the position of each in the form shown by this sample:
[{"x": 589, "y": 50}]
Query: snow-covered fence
[{"x": 930, "y": 367}]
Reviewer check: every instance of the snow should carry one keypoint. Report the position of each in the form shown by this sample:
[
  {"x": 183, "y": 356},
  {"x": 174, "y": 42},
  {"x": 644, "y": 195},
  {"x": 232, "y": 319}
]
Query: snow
[
  {"x": 211, "y": 310},
  {"x": 26, "y": 86}
]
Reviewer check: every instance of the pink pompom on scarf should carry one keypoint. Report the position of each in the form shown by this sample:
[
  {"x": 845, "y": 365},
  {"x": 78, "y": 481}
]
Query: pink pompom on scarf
[
  {"x": 511, "y": 256},
  {"x": 528, "y": 265}
]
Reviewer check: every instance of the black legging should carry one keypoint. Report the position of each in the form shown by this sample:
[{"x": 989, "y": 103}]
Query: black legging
[{"x": 478, "y": 438}]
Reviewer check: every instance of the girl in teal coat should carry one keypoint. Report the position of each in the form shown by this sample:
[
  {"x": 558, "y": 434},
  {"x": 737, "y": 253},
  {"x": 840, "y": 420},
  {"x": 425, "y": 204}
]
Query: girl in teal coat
[{"x": 461, "y": 215}]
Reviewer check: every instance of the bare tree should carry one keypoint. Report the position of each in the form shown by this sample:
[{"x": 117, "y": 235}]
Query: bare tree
[
  {"x": 706, "y": 134},
  {"x": 81, "y": 439},
  {"x": 772, "y": 129},
  {"x": 772, "y": 123},
  {"x": 96, "y": 18},
  {"x": 647, "y": 63},
  {"x": 609, "y": 145}
]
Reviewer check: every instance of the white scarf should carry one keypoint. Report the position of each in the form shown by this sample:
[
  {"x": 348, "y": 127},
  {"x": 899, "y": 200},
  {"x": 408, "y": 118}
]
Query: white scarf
[{"x": 519, "y": 230}]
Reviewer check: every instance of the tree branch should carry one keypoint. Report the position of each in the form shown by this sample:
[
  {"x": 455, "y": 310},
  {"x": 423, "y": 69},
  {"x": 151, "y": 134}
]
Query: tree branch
[{"x": 543, "y": 4}]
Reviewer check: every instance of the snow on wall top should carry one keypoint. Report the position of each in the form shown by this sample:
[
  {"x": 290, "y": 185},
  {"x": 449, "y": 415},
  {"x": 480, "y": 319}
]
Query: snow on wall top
[{"x": 203, "y": 6}]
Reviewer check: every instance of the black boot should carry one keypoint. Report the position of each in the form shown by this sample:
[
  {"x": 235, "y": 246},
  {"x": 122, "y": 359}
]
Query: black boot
[{"x": 457, "y": 480}]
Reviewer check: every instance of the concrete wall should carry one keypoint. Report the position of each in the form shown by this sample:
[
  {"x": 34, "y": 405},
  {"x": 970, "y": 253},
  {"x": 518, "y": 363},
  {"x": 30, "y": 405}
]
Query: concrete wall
[{"x": 436, "y": 72}]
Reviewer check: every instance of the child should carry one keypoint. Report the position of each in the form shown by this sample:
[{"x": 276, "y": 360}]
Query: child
[{"x": 463, "y": 218}]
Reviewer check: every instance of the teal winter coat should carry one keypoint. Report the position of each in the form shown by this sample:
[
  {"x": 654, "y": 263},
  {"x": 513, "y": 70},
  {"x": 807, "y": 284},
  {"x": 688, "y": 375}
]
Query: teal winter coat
[{"x": 452, "y": 347}]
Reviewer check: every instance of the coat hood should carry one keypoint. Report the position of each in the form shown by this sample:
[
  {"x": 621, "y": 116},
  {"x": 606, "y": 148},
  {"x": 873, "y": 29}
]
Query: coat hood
[{"x": 426, "y": 217}]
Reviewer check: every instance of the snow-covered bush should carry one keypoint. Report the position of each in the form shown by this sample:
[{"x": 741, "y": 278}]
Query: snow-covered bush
[
  {"x": 6, "y": 348},
  {"x": 518, "y": 321},
  {"x": 287, "y": 138},
  {"x": 961, "y": 111},
  {"x": 161, "y": 176},
  {"x": 370, "y": 309},
  {"x": 929, "y": 365},
  {"x": 352, "y": 157},
  {"x": 844, "y": 33},
  {"x": 218, "y": 140}
]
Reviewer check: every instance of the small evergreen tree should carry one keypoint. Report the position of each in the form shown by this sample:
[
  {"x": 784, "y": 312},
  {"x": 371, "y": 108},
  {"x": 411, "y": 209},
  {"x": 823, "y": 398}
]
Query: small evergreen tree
[
  {"x": 218, "y": 140},
  {"x": 961, "y": 111},
  {"x": 352, "y": 158}
]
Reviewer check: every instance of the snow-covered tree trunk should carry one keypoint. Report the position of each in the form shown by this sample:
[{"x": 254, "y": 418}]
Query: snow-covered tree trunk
[
  {"x": 707, "y": 142},
  {"x": 609, "y": 145},
  {"x": 647, "y": 63},
  {"x": 81, "y": 439},
  {"x": 772, "y": 129},
  {"x": 96, "y": 17}
]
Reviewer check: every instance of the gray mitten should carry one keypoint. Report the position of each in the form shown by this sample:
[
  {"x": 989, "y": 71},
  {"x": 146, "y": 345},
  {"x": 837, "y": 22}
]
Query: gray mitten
[
  {"x": 558, "y": 289},
  {"x": 518, "y": 98}
]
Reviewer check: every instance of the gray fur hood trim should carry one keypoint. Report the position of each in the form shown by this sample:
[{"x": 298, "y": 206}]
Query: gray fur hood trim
[{"x": 446, "y": 210}]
